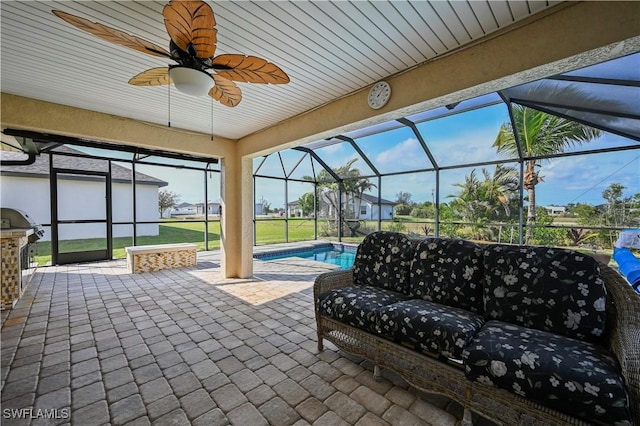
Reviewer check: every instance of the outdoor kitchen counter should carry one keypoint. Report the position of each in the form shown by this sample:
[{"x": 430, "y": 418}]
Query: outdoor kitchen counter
[
  {"x": 12, "y": 240},
  {"x": 16, "y": 232}
]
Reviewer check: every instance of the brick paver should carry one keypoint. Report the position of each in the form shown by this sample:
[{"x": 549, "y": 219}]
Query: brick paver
[{"x": 185, "y": 346}]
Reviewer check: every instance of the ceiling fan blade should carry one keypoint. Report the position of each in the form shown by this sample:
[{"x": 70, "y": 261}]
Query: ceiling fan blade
[
  {"x": 190, "y": 25},
  {"x": 248, "y": 69},
  {"x": 152, "y": 77},
  {"x": 112, "y": 35},
  {"x": 225, "y": 91}
]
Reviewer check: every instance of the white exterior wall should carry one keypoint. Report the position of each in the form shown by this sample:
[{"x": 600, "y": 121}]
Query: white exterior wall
[
  {"x": 81, "y": 200},
  {"x": 31, "y": 195},
  {"x": 146, "y": 208},
  {"x": 372, "y": 211}
]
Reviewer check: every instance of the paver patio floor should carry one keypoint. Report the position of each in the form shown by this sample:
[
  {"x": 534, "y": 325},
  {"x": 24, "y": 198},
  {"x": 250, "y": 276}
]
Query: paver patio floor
[{"x": 91, "y": 344}]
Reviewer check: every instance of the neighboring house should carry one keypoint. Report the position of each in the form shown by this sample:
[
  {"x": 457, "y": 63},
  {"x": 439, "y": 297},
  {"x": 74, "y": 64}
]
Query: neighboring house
[
  {"x": 80, "y": 197},
  {"x": 183, "y": 209},
  {"x": 366, "y": 207},
  {"x": 554, "y": 210},
  {"x": 371, "y": 207},
  {"x": 293, "y": 209},
  {"x": 213, "y": 208}
]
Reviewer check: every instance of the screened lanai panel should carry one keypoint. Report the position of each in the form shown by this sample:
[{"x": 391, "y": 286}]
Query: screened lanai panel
[
  {"x": 395, "y": 151},
  {"x": 122, "y": 198},
  {"x": 292, "y": 159},
  {"x": 584, "y": 178},
  {"x": 304, "y": 168},
  {"x": 343, "y": 159},
  {"x": 268, "y": 166},
  {"x": 100, "y": 152},
  {"x": 607, "y": 106},
  {"x": 419, "y": 187},
  {"x": 300, "y": 211},
  {"x": 467, "y": 138},
  {"x": 456, "y": 108},
  {"x": 173, "y": 161},
  {"x": 270, "y": 197},
  {"x": 480, "y": 203},
  {"x": 73, "y": 161},
  {"x": 623, "y": 68},
  {"x": 372, "y": 130},
  {"x": 628, "y": 128}
]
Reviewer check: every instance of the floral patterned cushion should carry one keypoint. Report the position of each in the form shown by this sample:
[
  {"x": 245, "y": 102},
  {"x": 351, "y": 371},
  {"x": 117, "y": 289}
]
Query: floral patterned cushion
[
  {"x": 545, "y": 288},
  {"x": 578, "y": 378},
  {"x": 429, "y": 327},
  {"x": 383, "y": 260},
  {"x": 448, "y": 271},
  {"x": 357, "y": 305}
]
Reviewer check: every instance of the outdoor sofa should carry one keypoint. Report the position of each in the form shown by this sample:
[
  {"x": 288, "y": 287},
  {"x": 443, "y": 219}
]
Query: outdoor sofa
[{"x": 517, "y": 334}]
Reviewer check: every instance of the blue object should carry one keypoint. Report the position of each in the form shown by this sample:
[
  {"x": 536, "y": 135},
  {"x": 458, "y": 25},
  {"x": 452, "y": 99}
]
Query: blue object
[{"x": 629, "y": 266}]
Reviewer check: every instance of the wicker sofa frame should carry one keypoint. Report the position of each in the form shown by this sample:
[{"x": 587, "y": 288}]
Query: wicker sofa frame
[{"x": 437, "y": 375}]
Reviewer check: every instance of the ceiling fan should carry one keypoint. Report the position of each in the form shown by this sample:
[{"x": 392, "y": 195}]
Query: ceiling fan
[{"x": 191, "y": 27}]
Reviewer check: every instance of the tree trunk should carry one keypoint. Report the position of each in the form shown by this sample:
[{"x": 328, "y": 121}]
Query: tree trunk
[
  {"x": 530, "y": 182},
  {"x": 531, "y": 215}
]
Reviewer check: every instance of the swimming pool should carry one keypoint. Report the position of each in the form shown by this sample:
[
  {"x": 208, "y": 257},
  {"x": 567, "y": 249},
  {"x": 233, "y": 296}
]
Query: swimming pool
[{"x": 334, "y": 254}]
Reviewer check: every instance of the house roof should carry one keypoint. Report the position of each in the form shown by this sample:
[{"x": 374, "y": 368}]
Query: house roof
[
  {"x": 40, "y": 168},
  {"x": 375, "y": 200}
]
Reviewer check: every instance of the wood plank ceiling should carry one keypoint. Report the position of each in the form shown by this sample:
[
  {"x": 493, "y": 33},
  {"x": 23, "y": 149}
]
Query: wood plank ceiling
[{"x": 329, "y": 49}]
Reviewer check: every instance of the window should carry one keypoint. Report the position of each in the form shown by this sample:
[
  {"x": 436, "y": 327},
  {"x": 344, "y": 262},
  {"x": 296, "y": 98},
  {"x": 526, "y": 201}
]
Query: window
[{"x": 363, "y": 210}]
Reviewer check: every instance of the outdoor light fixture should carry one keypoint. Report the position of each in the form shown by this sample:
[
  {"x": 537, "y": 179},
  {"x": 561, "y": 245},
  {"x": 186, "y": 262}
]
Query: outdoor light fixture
[{"x": 191, "y": 81}]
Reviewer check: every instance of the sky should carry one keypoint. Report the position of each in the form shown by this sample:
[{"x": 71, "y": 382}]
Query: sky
[
  {"x": 457, "y": 139},
  {"x": 466, "y": 139}
]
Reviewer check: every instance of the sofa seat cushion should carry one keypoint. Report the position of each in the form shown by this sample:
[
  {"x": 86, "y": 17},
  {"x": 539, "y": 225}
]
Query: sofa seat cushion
[
  {"x": 448, "y": 271},
  {"x": 545, "y": 288},
  {"x": 357, "y": 305},
  {"x": 383, "y": 260},
  {"x": 576, "y": 377},
  {"x": 429, "y": 327}
]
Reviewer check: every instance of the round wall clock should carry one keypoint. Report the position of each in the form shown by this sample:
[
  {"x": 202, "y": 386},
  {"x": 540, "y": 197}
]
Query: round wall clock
[{"x": 379, "y": 95}]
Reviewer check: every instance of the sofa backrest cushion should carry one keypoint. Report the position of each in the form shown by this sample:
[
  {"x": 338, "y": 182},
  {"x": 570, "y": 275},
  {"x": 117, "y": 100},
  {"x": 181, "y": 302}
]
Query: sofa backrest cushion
[
  {"x": 548, "y": 289},
  {"x": 448, "y": 271},
  {"x": 383, "y": 260}
]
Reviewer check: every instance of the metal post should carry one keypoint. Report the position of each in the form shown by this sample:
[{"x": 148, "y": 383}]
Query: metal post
[
  {"x": 133, "y": 194},
  {"x": 206, "y": 211},
  {"x": 379, "y": 203}
]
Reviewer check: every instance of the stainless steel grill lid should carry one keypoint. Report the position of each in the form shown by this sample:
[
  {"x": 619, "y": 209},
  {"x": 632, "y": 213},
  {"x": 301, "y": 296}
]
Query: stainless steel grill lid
[{"x": 15, "y": 218}]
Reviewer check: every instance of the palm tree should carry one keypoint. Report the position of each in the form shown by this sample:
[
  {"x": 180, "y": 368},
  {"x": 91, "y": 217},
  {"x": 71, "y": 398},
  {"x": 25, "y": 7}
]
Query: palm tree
[
  {"x": 353, "y": 185},
  {"x": 483, "y": 200},
  {"x": 540, "y": 135},
  {"x": 500, "y": 188},
  {"x": 480, "y": 201}
]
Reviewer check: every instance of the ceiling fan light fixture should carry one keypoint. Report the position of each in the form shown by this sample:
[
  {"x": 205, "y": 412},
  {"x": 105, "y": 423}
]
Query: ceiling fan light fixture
[{"x": 190, "y": 81}]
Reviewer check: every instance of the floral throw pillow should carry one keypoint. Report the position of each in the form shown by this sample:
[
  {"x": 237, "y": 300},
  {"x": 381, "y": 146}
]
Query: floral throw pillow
[
  {"x": 448, "y": 271},
  {"x": 545, "y": 288},
  {"x": 383, "y": 260}
]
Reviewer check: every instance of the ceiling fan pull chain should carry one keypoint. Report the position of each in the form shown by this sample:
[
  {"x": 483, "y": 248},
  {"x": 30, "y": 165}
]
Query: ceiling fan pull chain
[
  {"x": 169, "y": 105},
  {"x": 211, "y": 118}
]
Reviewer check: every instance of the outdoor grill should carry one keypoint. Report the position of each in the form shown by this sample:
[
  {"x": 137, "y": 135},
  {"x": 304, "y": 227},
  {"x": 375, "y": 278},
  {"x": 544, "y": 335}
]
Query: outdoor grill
[{"x": 17, "y": 219}]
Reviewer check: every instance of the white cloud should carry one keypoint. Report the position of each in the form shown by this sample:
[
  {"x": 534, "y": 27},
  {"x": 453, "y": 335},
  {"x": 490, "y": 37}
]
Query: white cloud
[{"x": 406, "y": 155}]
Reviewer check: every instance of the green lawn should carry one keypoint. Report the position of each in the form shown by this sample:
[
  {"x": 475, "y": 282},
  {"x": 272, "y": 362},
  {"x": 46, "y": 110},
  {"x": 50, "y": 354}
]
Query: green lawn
[
  {"x": 267, "y": 231},
  {"x": 188, "y": 232},
  {"x": 271, "y": 231}
]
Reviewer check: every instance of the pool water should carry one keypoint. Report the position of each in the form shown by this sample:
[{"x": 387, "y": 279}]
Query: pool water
[{"x": 335, "y": 256}]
